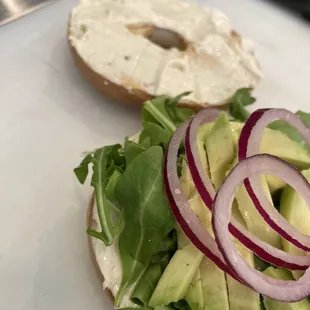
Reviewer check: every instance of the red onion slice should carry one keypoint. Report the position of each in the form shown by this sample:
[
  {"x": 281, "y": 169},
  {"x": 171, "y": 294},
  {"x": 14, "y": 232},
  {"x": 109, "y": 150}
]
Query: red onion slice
[
  {"x": 249, "y": 144},
  {"x": 207, "y": 193},
  {"x": 187, "y": 219},
  {"x": 286, "y": 291}
]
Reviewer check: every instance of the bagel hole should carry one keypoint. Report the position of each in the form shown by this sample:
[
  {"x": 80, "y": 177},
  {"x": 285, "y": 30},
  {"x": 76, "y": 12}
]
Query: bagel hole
[{"x": 162, "y": 37}]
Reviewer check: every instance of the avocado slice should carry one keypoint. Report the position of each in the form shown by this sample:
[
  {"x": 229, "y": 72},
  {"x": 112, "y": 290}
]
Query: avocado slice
[
  {"x": 271, "y": 304},
  {"x": 220, "y": 149},
  {"x": 294, "y": 209},
  {"x": 177, "y": 277},
  {"x": 240, "y": 296},
  {"x": 194, "y": 295},
  {"x": 213, "y": 286},
  {"x": 254, "y": 222},
  {"x": 174, "y": 285},
  {"x": 276, "y": 143}
]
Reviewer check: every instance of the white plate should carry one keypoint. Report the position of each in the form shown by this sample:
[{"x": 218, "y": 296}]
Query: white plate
[{"x": 49, "y": 115}]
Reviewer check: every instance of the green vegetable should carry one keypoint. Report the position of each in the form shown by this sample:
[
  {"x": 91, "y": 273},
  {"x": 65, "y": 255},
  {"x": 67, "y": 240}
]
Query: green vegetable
[
  {"x": 178, "y": 115},
  {"x": 164, "y": 111},
  {"x": 154, "y": 134},
  {"x": 105, "y": 161},
  {"x": 239, "y": 101},
  {"x": 177, "y": 278},
  {"x": 194, "y": 295},
  {"x": 148, "y": 219},
  {"x": 132, "y": 150},
  {"x": 81, "y": 171},
  {"x": 169, "y": 244},
  {"x": 145, "y": 287},
  {"x": 110, "y": 189}
]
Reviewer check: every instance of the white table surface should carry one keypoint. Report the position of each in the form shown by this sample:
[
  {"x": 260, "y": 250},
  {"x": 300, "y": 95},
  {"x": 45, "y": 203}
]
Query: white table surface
[{"x": 50, "y": 115}]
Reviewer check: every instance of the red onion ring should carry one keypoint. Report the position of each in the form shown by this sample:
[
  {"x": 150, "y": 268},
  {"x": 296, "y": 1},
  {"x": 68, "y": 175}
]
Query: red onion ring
[
  {"x": 286, "y": 291},
  {"x": 207, "y": 193},
  {"x": 249, "y": 144},
  {"x": 187, "y": 219}
]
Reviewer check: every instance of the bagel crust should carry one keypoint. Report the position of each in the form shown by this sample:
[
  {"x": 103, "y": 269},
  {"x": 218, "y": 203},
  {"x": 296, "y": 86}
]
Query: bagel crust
[{"x": 122, "y": 48}]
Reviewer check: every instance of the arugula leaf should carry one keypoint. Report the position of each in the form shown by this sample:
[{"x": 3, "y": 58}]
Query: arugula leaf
[
  {"x": 178, "y": 115},
  {"x": 168, "y": 244},
  {"x": 105, "y": 161},
  {"x": 163, "y": 110},
  {"x": 132, "y": 150},
  {"x": 163, "y": 259},
  {"x": 110, "y": 189},
  {"x": 154, "y": 111},
  {"x": 148, "y": 219},
  {"x": 239, "y": 101},
  {"x": 146, "y": 286},
  {"x": 154, "y": 134},
  {"x": 81, "y": 171}
]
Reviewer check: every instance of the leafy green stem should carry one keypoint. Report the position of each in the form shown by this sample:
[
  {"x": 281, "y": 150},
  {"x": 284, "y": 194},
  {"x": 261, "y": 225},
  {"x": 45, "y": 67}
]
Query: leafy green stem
[
  {"x": 160, "y": 117},
  {"x": 104, "y": 216}
]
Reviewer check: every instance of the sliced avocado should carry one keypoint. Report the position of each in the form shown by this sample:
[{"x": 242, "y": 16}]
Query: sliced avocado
[
  {"x": 194, "y": 295},
  {"x": 220, "y": 149},
  {"x": 276, "y": 143},
  {"x": 213, "y": 286},
  {"x": 240, "y": 296},
  {"x": 177, "y": 277},
  {"x": 275, "y": 184},
  {"x": 203, "y": 132},
  {"x": 254, "y": 221},
  {"x": 294, "y": 209},
  {"x": 186, "y": 181},
  {"x": 271, "y": 304}
]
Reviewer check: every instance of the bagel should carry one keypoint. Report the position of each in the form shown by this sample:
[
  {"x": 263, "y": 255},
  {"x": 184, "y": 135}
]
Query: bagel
[{"x": 133, "y": 50}]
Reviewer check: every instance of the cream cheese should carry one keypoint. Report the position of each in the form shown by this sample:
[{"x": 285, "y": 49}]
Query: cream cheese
[
  {"x": 109, "y": 262},
  {"x": 213, "y": 66}
]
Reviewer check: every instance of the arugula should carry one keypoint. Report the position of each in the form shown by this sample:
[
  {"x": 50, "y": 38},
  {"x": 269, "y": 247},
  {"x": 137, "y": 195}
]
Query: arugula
[
  {"x": 163, "y": 110},
  {"x": 105, "y": 162},
  {"x": 154, "y": 134},
  {"x": 110, "y": 190},
  {"x": 148, "y": 219},
  {"x": 132, "y": 150},
  {"x": 239, "y": 101},
  {"x": 168, "y": 244},
  {"x": 147, "y": 284}
]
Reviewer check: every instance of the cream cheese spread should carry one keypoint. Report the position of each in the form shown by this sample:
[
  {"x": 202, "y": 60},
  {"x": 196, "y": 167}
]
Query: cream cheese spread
[
  {"x": 109, "y": 262},
  {"x": 214, "y": 64}
]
